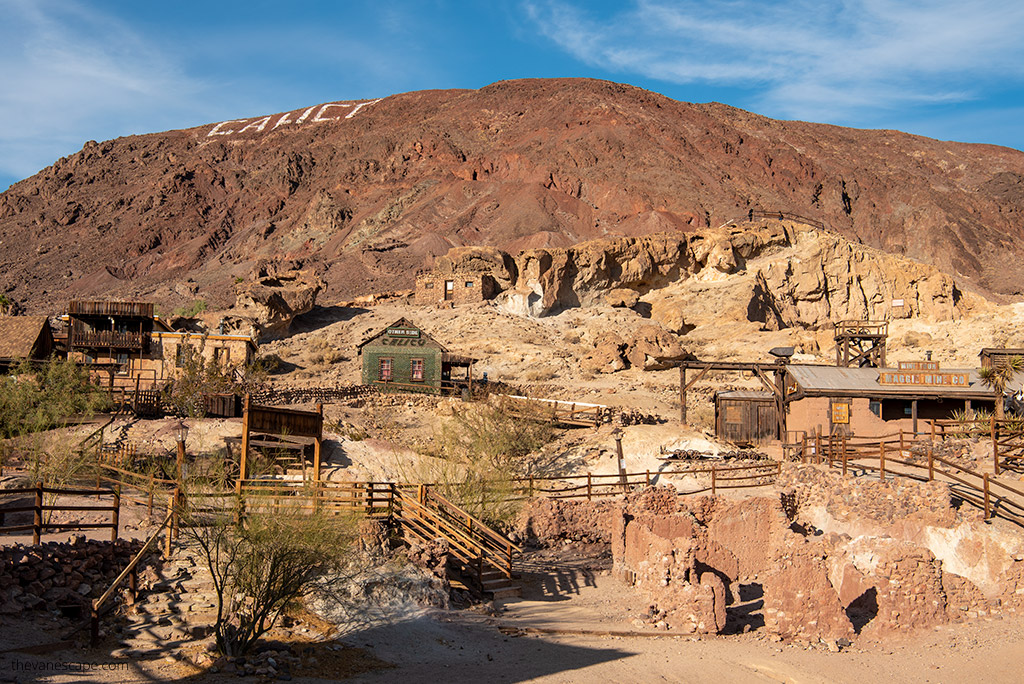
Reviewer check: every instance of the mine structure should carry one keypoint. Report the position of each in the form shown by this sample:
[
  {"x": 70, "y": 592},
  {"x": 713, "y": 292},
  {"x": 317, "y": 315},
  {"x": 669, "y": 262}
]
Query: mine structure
[{"x": 861, "y": 343}]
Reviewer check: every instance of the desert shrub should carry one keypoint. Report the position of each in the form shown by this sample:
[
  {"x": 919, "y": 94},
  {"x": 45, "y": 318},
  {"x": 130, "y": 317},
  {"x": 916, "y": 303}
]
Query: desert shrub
[
  {"x": 191, "y": 311},
  {"x": 266, "y": 565},
  {"x": 482, "y": 449}
]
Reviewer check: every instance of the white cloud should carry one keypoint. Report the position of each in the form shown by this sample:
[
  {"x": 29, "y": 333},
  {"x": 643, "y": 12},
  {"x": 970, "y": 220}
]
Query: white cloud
[
  {"x": 801, "y": 58},
  {"x": 70, "y": 74}
]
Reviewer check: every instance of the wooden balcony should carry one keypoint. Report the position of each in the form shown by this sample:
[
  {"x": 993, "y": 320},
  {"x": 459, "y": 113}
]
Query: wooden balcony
[
  {"x": 110, "y": 339},
  {"x": 123, "y": 309}
]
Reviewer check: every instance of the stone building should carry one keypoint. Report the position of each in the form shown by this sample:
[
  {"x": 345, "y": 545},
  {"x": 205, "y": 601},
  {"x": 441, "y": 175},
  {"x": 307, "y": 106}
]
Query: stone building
[{"x": 464, "y": 287}]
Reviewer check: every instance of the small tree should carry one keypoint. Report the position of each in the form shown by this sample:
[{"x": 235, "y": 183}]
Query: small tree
[
  {"x": 199, "y": 376},
  {"x": 261, "y": 567},
  {"x": 998, "y": 376}
]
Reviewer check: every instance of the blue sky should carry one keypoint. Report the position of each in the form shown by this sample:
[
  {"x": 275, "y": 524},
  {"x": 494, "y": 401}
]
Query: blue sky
[{"x": 73, "y": 70}]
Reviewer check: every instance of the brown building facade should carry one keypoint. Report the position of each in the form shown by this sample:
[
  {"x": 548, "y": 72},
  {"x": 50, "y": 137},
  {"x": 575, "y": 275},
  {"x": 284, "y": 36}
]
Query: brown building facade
[{"x": 458, "y": 288}]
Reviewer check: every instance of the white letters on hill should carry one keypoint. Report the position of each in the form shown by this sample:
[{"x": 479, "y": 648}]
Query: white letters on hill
[{"x": 332, "y": 111}]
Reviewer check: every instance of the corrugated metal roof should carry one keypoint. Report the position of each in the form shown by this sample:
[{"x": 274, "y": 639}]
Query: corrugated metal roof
[
  {"x": 759, "y": 395},
  {"x": 823, "y": 379}
]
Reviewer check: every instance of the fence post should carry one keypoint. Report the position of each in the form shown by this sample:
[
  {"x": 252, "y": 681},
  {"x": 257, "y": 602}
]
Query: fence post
[
  {"x": 844, "y": 455},
  {"x": 170, "y": 512},
  {"x": 987, "y": 508},
  {"x": 803, "y": 449},
  {"x": 881, "y": 460},
  {"x": 174, "y": 516},
  {"x": 531, "y": 486},
  {"x": 712, "y": 480},
  {"x": 817, "y": 448},
  {"x": 117, "y": 513},
  {"x": 995, "y": 446},
  {"x": 37, "y": 518},
  {"x": 647, "y": 480},
  {"x": 589, "y": 488},
  {"x": 931, "y": 464},
  {"x": 152, "y": 487}
]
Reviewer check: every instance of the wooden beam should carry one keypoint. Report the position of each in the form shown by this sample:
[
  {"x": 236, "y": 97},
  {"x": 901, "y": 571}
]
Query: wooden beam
[{"x": 245, "y": 447}]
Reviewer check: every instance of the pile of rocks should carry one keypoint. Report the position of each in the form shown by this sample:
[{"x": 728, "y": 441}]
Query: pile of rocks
[
  {"x": 57, "y": 575},
  {"x": 311, "y": 395}
]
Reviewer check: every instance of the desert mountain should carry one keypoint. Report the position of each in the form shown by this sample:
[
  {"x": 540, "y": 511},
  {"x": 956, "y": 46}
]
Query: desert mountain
[{"x": 367, "y": 192}]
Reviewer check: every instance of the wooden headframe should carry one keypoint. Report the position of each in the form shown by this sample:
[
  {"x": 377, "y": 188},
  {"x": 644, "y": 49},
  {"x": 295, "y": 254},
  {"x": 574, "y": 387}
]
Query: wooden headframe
[{"x": 284, "y": 423}]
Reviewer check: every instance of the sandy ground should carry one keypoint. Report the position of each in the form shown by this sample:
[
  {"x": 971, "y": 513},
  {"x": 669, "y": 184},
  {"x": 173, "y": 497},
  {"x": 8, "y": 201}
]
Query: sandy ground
[{"x": 586, "y": 607}]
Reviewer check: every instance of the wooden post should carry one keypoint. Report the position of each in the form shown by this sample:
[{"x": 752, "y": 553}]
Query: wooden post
[
  {"x": 37, "y": 518},
  {"x": 803, "y": 449},
  {"x": 176, "y": 497},
  {"x": 152, "y": 489},
  {"x": 94, "y": 625},
  {"x": 844, "y": 455},
  {"x": 988, "y": 512},
  {"x": 995, "y": 446},
  {"x": 622, "y": 463},
  {"x": 933, "y": 431},
  {"x": 531, "y": 486},
  {"x": 317, "y": 445},
  {"x": 170, "y": 512},
  {"x": 245, "y": 448},
  {"x": 913, "y": 416},
  {"x": 647, "y": 480},
  {"x": 902, "y": 448},
  {"x": 682, "y": 394},
  {"x": 817, "y": 445},
  {"x": 590, "y": 491},
  {"x": 931, "y": 464},
  {"x": 881, "y": 460},
  {"x": 712, "y": 480},
  {"x": 117, "y": 513}
]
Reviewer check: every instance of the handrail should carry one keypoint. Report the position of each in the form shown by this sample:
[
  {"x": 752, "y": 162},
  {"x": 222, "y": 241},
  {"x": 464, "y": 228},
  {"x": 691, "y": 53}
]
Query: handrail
[{"x": 98, "y": 603}]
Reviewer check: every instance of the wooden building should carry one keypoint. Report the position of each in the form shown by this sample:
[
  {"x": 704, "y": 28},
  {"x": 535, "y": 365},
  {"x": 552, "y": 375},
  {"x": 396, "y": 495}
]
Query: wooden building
[
  {"x": 127, "y": 346},
  {"x": 746, "y": 417},
  {"x": 402, "y": 357},
  {"x": 24, "y": 337},
  {"x": 996, "y": 356}
]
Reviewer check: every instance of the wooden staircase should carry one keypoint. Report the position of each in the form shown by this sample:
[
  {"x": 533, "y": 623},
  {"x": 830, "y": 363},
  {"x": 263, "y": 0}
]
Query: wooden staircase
[{"x": 478, "y": 553}]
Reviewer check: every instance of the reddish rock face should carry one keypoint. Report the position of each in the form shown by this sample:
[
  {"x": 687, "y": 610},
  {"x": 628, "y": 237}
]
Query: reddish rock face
[{"x": 369, "y": 192}]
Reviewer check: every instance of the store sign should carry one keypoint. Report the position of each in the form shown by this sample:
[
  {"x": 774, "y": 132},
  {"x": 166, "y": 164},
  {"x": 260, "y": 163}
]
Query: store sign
[{"x": 403, "y": 332}]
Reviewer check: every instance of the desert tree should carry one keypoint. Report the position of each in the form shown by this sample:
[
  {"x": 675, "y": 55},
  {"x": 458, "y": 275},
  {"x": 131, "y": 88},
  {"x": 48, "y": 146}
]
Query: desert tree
[{"x": 998, "y": 376}]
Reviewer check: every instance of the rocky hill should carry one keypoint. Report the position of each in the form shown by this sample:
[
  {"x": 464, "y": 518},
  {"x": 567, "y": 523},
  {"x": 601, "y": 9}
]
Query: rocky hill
[{"x": 367, "y": 192}]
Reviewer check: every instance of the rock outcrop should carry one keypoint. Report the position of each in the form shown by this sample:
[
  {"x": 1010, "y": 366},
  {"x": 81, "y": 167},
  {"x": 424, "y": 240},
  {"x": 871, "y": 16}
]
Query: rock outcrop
[{"x": 277, "y": 294}]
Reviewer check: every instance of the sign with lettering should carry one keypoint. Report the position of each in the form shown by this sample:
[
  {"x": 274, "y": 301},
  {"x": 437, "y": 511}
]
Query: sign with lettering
[
  {"x": 932, "y": 379},
  {"x": 840, "y": 413},
  {"x": 403, "y": 332},
  {"x": 919, "y": 365},
  {"x": 332, "y": 111}
]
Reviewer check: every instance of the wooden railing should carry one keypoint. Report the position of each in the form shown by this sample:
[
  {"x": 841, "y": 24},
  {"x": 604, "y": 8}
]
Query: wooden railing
[
  {"x": 40, "y": 520},
  {"x": 425, "y": 514},
  {"x": 888, "y": 456},
  {"x": 129, "y": 572},
  {"x": 108, "y": 338},
  {"x": 556, "y": 411},
  {"x": 591, "y": 486}
]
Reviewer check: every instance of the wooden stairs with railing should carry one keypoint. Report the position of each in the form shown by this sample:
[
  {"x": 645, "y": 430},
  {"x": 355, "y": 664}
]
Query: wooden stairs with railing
[{"x": 477, "y": 553}]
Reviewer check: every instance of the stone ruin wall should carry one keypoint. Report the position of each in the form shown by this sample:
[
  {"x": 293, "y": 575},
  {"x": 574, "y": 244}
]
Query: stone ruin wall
[{"x": 831, "y": 558}]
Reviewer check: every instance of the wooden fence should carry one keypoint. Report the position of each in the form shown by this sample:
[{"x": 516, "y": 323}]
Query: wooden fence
[
  {"x": 556, "y": 411},
  {"x": 42, "y": 511},
  {"x": 888, "y": 456}
]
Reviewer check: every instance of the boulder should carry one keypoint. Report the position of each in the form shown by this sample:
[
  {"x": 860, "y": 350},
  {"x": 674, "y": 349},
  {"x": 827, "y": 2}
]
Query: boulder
[
  {"x": 651, "y": 344},
  {"x": 622, "y": 297},
  {"x": 275, "y": 296}
]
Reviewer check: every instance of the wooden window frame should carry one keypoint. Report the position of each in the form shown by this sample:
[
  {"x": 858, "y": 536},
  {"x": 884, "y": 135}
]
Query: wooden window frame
[
  {"x": 412, "y": 370},
  {"x": 389, "y": 362}
]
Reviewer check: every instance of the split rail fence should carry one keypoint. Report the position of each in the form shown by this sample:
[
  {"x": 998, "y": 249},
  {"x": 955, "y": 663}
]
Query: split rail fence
[
  {"x": 46, "y": 502},
  {"x": 890, "y": 455}
]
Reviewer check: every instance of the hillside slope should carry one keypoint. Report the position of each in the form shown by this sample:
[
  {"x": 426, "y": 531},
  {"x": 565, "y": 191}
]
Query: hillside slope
[{"x": 368, "y": 192}]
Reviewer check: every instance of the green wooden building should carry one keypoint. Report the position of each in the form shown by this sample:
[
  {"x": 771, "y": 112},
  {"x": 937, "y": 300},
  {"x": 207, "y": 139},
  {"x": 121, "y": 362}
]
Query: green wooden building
[{"x": 403, "y": 358}]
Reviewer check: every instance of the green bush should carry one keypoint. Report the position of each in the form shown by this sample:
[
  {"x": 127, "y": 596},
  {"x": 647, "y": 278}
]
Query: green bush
[{"x": 197, "y": 307}]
